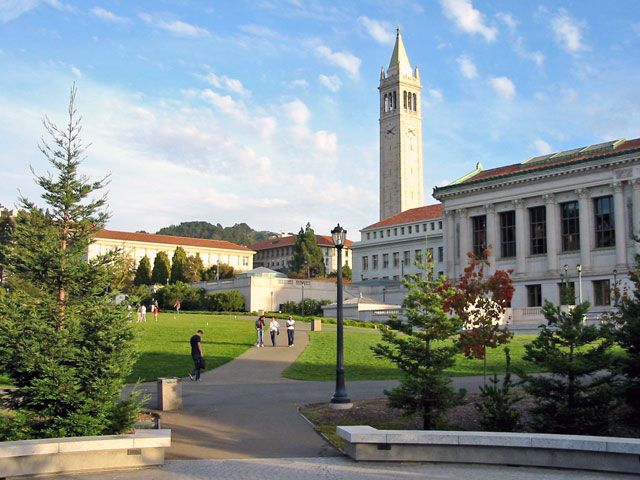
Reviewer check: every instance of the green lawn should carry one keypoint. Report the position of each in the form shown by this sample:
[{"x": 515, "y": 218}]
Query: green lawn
[
  {"x": 318, "y": 361},
  {"x": 164, "y": 345}
]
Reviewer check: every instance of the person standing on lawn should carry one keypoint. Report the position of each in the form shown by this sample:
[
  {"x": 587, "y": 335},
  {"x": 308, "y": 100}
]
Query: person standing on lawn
[
  {"x": 291, "y": 326},
  {"x": 259, "y": 327},
  {"x": 274, "y": 330},
  {"x": 177, "y": 306},
  {"x": 197, "y": 355}
]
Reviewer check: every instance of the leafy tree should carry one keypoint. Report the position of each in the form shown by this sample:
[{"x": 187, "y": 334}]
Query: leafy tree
[
  {"x": 480, "y": 302},
  {"x": 143, "y": 273},
  {"x": 194, "y": 268},
  {"x": 179, "y": 266},
  {"x": 419, "y": 347},
  {"x": 307, "y": 258},
  {"x": 240, "y": 233},
  {"x": 629, "y": 339},
  {"x": 124, "y": 273},
  {"x": 497, "y": 403},
  {"x": 65, "y": 346},
  {"x": 579, "y": 394},
  {"x": 191, "y": 298},
  {"x": 6, "y": 230},
  {"x": 231, "y": 301},
  {"x": 346, "y": 272},
  {"x": 226, "y": 271},
  {"x": 161, "y": 269}
]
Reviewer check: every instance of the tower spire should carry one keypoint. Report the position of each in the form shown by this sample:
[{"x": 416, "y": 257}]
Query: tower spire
[{"x": 399, "y": 62}]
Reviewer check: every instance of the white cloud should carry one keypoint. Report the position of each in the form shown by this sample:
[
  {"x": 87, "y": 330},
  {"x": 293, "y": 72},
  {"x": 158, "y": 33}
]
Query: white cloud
[
  {"x": 345, "y": 60},
  {"x": 326, "y": 142},
  {"x": 504, "y": 87},
  {"x": 332, "y": 82},
  {"x": 467, "y": 67},
  {"x": 542, "y": 147},
  {"x": 109, "y": 16},
  {"x": 381, "y": 32},
  {"x": 435, "y": 94},
  {"x": 12, "y": 9},
  {"x": 468, "y": 18},
  {"x": 227, "y": 83},
  {"x": 517, "y": 41},
  {"x": 259, "y": 31},
  {"x": 177, "y": 27},
  {"x": 568, "y": 31},
  {"x": 297, "y": 83},
  {"x": 76, "y": 71},
  {"x": 508, "y": 20},
  {"x": 297, "y": 111}
]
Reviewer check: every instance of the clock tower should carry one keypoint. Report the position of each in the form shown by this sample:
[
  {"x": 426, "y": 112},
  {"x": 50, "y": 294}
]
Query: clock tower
[{"x": 401, "y": 180}]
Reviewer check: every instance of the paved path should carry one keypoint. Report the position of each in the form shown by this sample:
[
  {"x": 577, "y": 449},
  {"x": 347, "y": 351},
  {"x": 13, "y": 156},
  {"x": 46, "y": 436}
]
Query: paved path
[{"x": 334, "y": 468}]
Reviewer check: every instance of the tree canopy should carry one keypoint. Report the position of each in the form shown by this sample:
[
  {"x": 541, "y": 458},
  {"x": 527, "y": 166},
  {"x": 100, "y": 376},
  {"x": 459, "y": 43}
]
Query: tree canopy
[
  {"x": 240, "y": 233},
  {"x": 307, "y": 259}
]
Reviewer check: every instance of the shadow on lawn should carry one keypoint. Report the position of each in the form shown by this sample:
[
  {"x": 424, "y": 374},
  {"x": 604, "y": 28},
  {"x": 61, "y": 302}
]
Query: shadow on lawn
[
  {"x": 212, "y": 343},
  {"x": 152, "y": 365}
]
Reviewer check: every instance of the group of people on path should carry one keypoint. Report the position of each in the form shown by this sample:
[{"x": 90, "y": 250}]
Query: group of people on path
[{"x": 274, "y": 330}]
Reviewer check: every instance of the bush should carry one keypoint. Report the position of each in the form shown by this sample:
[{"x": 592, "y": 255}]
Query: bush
[
  {"x": 308, "y": 306},
  {"x": 191, "y": 298},
  {"x": 230, "y": 301}
]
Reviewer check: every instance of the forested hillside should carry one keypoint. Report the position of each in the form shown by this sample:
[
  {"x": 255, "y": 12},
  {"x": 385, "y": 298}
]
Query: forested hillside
[{"x": 240, "y": 233}]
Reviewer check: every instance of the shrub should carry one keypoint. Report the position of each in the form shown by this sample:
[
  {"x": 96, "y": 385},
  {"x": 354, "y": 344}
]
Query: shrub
[
  {"x": 230, "y": 301},
  {"x": 308, "y": 306},
  {"x": 191, "y": 298}
]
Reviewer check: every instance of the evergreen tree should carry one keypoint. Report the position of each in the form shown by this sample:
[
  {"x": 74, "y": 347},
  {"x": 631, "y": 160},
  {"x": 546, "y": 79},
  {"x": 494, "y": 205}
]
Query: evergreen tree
[
  {"x": 65, "y": 346},
  {"x": 629, "y": 339},
  {"x": 194, "y": 269},
  {"x": 161, "y": 269},
  {"x": 579, "y": 394},
  {"x": 307, "y": 259},
  {"x": 6, "y": 229},
  {"x": 178, "y": 265},
  {"x": 143, "y": 273},
  {"x": 419, "y": 347}
]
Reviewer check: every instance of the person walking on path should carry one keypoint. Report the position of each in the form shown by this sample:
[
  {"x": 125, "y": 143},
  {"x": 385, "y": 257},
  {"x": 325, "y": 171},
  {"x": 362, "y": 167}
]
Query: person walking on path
[
  {"x": 196, "y": 355},
  {"x": 291, "y": 326},
  {"x": 259, "y": 327},
  {"x": 274, "y": 330},
  {"x": 177, "y": 306}
]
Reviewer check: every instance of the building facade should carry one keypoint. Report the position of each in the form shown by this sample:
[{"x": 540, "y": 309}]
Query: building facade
[
  {"x": 137, "y": 245},
  {"x": 401, "y": 177},
  {"x": 277, "y": 253}
]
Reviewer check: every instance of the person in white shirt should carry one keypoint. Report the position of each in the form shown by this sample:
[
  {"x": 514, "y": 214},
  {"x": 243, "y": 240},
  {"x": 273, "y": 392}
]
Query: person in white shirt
[
  {"x": 291, "y": 325},
  {"x": 274, "y": 330}
]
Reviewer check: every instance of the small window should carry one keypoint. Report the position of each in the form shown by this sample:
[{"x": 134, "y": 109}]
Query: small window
[
  {"x": 395, "y": 232},
  {"x": 374, "y": 260},
  {"x": 570, "y": 224},
  {"x": 409, "y": 227},
  {"x": 534, "y": 295},
  {"x": 433, "y": 226},
  {"x": 479, "y": 235},
  {"x": 407, "y": 257},
  {"x": 388, "y": 232},
  {"x": 440, "y": 225},
  {"x": 418, "y": 256},
  {"x": 538, "y": 230},
  {"x": 440, "y": 254},
  {"x": 396, "y": 259},
  {"x": 415, "y": 103},
  {"x": 604, "y": 222},
  {"x": 375, "y": 235},
  {"x": 385, "y": 260},
  {"x": 365, "y": 263},
  {"x": 508, "y": 234},
  {"x": 401, "y": 230},
  {"x": 409, "y": 101},
  {"x": 381, "y": 233},
  {"x": 368, "y": 235},
  {"x": 601, "y": 293},
  {"x": 424, "y": 227}
]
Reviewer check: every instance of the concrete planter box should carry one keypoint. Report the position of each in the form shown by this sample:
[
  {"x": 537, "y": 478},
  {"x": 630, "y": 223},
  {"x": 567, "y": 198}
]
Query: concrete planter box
[
  {"x": 76, "y": 454},
  {"x": 607, "y": 454}
]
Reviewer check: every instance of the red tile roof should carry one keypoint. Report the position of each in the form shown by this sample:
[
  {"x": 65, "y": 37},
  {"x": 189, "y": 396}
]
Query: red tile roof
[
  {"x": 428, "y": 212},
  {"x": 169, "y": 239},
  {"x": 323, "y": 241},
  {"x": 553, "y": 160}
]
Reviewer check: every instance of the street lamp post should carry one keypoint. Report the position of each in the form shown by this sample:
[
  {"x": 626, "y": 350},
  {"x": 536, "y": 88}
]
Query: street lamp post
[
  {"x": 615, "y": 288},
  {"x": 383, "y": 294},
  {"x": 340, "y": 399},
  {"x": 579, "y": 269},
  {"x": 565, "y": 285},
  {"x": 302, "y": 303}
]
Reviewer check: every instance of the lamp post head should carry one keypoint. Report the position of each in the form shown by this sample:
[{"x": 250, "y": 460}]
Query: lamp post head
[
  {"x": 579, "y": 268},
  {"x": 566, "y": 268},
  {"x": 338, "y": 235},
  {"x": 615, "y": 271}
]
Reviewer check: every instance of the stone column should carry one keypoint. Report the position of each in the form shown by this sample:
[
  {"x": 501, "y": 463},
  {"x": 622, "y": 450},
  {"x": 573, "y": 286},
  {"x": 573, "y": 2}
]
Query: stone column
[
  {"x": 465, "y": 239},
  {"x": 636, "y": 212},
  {"x": 586, "y": 232},
  {"x": 621, "y": 237},
  {"x": 450, "y": 244},
  {"x": 521, "y": 245},
  {"x": 552, "y": 234},
  {"x": 491, "y": 236}
]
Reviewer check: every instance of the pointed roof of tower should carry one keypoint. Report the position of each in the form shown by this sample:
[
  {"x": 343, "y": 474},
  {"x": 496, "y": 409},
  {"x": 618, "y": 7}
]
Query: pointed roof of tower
[{"x": 399, "y": 58}]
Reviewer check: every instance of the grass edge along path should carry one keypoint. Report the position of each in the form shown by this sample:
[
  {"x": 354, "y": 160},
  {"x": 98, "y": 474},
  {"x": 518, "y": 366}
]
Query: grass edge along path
[{"x": 317, "y": 362}]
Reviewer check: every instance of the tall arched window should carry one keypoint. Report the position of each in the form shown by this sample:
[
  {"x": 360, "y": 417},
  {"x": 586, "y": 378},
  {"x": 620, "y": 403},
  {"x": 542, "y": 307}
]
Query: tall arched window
[
  {"x": 404, "y": 94},
  {"x": 395, "y": 100},
  {"x": 415, "y": 103},
  {"x": 385, "y": 104},
  {"x": 410, "y": 108}
]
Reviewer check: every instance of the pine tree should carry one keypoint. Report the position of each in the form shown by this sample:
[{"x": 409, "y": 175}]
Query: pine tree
[
  {"x": 143, "y": 272},
  {"x": 579, "y": 394},
  {"x": 66, "y": 347},
  {"x": 179, "y": 266},
  {"x": 161, "y": 269},
  {"x": 6, "y": 230},
  {"x": 418, "y": 346},
  {"x": 629, "y": 339},
  {"x": 307, "y": 259}
]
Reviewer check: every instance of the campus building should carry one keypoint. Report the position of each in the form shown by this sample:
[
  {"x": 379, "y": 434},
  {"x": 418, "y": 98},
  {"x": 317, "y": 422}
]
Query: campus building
[
  {"x": 137, "y": 245},
  {"x": 562, "y": 222},
  {"x": 276, "y": 253}
]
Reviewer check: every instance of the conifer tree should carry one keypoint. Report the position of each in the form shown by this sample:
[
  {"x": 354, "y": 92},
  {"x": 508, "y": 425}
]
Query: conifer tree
[
  {"x": 579, "y": 394},
  {"x": 161, "y": 269},
  {"x": 66, "y": 347},
  {"x": 6, "y": 229},
  {"x": 143, "y": 272},
  {"x": 307, "y": 258},
  {"x": 418, "y": 347},
  {"x": 179, "y": 266}
]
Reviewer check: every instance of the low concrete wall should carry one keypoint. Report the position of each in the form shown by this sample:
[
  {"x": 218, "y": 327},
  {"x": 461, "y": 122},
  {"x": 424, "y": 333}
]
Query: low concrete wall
[
  {"x": 608, "y": 454},
  {"x": 75, "y": 454}
]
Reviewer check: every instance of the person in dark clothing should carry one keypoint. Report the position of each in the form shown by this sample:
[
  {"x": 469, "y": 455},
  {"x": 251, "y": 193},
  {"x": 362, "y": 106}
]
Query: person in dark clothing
[{"x": 196, "y": 355}]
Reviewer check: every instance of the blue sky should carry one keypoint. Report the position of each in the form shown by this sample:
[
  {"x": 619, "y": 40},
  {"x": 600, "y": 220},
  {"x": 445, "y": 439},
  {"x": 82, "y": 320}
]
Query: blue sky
[{"x": 267, "y": 111}]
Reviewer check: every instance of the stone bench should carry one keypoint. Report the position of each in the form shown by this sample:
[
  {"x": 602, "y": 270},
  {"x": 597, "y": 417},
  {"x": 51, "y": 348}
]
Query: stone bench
[
  {"x": 609, "y": 454},
  {"x": 76, "y": 454}
]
